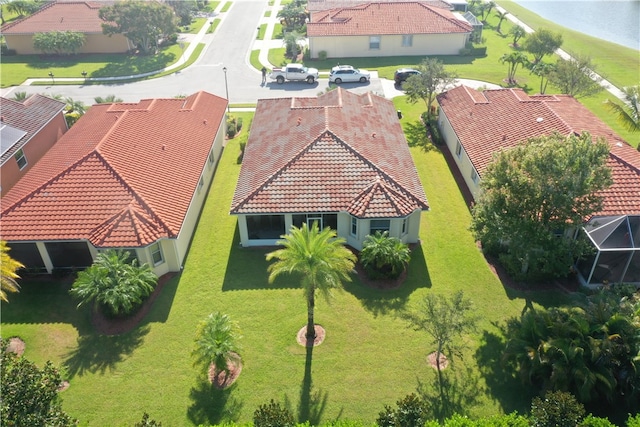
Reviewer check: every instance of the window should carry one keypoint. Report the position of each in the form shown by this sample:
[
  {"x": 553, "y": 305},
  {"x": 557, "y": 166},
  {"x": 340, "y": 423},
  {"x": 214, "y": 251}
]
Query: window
[
  {"x": 354, "y": 226},
  {"x": 407, "y": 40},
  {"x": 211, "y": 157},
  {"x": 380, "y": 225},
  {"x": 265, "y": 226},
  {"x": 474, "y": 175},
  {"x": 21, "y": 159},
  {"x": 323, "y": 220},
  {"x": 156, "y": 253},
  {"x": 374, "y": 42},
  {"x": 200, "y": 184},
  {"x": 458, "y": 149},
  {"x": 405, "y": 227}
]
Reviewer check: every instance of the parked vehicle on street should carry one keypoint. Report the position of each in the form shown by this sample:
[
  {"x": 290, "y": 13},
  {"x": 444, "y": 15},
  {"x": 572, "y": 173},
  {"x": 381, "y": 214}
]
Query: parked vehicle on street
[
  {"x": 294, "y": 73},
  {"x": 403, "y": 74},
  {"x": 347, "y": 73}
]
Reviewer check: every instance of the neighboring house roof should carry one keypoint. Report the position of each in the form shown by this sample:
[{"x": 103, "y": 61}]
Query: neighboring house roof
[
  {"x": 81, "y": 16},
  {"x": 489, "y": 121},
  {"x": 29, "y": 116},
  {"x": 122, "y": 176},
  {"x": 316, "y": 5},
  {"x": 337, "y": 152},
  {"x": 386, "y": 18}
]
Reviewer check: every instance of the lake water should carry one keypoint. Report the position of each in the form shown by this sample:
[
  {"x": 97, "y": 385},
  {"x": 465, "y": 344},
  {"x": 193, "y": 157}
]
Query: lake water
[{"x": 614, "y": 21}]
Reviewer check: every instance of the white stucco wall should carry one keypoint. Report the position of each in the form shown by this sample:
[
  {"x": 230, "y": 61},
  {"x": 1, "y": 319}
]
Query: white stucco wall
[
  {"x": 390, "y": 45},
  {"x": 462, "y": 161}
]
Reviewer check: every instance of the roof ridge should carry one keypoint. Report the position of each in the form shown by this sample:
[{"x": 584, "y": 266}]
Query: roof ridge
[{"x": 43, "y": 7}]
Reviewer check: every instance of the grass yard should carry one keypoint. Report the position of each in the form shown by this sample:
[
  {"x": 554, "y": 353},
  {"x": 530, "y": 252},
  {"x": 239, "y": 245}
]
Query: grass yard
[
  {"x": 195, "y": 26},
  {"x": 369, "y": 358}
]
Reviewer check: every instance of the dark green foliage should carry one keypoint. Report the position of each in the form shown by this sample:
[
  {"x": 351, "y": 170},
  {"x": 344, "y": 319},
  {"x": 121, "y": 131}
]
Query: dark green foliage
[
  {"x": 114, "y": 283},
  {"x": 147, "y": 422},
  {"x": 531, "y": 194},
  {"x": 59, "y": 42},
  {"x": 542, "y": 42},
  {"x": 383, "y": 256},
  {"x": 29, "y": 395},
  {"x": 556, "y": 409},
  {"x": 576, "y": 76},
  {"x": 591, "y": 421},
  {"x": 293, "y": 16},
  {"x": 184, "y": 9},
  {"x": 411, "y": 411},
  {"x": 273, "y": 415},
  {"x": 434, "y": 76},
  {"x": 234, "y": 125},
  {"x": 24, "y": 7},
  {"x": 590, "y": 350},
  {"x": 217, "y": 342}
]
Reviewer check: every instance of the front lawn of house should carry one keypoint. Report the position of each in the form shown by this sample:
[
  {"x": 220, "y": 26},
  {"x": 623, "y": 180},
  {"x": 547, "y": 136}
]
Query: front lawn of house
[{"x": 369, "y": 358}]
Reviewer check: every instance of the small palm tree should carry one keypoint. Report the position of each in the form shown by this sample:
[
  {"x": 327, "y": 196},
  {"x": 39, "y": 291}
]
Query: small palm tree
[
  {"x": 9, "y": 267},
  {"x": 319, "y": 257},
  {"x": 217, "y": 343},
  {"x": 115, "y": 283},
  {"x": 20, "y": 96},
  {"x": 629, "y": 114},
  {"x": 107, "y": 99},
  {"x": 513, "y": 60},
  {"x": 501, "y": 15},
  {"x": 517, "y": 32},
  {"x": 384, "y": 256}
]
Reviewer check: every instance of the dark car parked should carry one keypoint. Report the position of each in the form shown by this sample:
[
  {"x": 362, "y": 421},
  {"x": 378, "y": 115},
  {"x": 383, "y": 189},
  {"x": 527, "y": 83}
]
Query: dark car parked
[{"x": 403, "y": 74}]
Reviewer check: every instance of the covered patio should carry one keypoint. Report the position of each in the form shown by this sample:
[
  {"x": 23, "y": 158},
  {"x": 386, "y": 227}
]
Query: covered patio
[{"x": 616, "y": 255}]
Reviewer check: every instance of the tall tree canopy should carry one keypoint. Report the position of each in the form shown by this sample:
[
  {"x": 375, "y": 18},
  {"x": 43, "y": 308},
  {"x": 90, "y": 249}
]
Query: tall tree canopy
[
  {"x": 142, "y": 22},
  {"x": 628, "y": 114},
  {"x": 425, "y": 86},
  {"x": 576, "y": 76},
  {"x": 531, "y": 194},
  {"x": 318, "y": 257},
  {"x": 541, "y": 43}
]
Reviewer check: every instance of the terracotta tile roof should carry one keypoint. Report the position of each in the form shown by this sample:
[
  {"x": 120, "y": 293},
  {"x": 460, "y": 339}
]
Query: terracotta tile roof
[
  {"x": 337, "y": 152},
  {"x": 79, "y": 16},
  {"x": 122, "y": 176},
  {"x": 30, "y": 115},
  {"x": 489, "y": 121},
  {"x": 316, "y": 5},
  {"x": 385, "y": 18}
]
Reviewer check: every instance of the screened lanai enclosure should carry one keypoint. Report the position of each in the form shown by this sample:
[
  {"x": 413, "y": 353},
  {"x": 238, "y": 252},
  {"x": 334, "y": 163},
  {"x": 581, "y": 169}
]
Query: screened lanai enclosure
[{"x": 616, "y": 255}]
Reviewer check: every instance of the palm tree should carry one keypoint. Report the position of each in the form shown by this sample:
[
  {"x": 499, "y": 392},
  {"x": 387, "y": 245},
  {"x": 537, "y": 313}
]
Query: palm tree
[
  {"x": 9, "y": 267},
  {"x": 115, "y": 283},
  {"x": 629, "y": 115},
  {"x": 501, "y": 15},
  {"x": 216, "y": 343},
  {"x": 291, "y": 42},
  {"x": 319, "y": 257},
  {"x": 383, "y": 255},
  {"x": 513, "y": 59},
  {"x": 20, "y": 96},
  {"x": 517, "y": 32},
  {"x": 107, "y": 99},
  {"x": 543, "y": 70}
]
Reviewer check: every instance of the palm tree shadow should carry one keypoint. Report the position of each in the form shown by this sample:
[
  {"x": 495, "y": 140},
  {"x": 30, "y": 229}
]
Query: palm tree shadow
[
  {"x": 312, "y": 404},
  {"x": 99, "y": 353},
  {"x": 212, "y": 405}
]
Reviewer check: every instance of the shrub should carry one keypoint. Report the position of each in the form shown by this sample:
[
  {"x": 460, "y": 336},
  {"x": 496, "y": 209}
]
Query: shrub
[
  {"x": 411, "y": 412},
  {"x": 383, "y": 256},
  {"x": 556, "y": 409},
  {"x": 273, "y": 415},
  {"x": 322, "y": 55}
]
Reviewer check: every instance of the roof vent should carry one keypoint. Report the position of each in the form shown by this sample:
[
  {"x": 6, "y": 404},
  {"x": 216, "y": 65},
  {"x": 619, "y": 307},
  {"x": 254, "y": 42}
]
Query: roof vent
[
  {"x": 164, "y": 147},
  {"x": 539, "y": 119},
  {"x": 618, "y": 144},
  {"x": 299, "y": 120},
  {"x": 504, "y": 137},
  {"x": 204, "y": 121},
  {"x": 373, "y": 135}
]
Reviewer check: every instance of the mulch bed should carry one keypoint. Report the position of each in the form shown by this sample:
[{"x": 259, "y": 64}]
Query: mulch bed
[
  {"x": 115, "y": 326},
  {"x": 222, "y": 380},
  {"x": 320, "y": 335}
]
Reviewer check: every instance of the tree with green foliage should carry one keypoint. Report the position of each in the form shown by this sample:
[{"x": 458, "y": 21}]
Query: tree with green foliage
[
  {"x": 142, "y": 22},
  {"x": 273, "y": 415},
  {"x": 513, "y": 61},
  {"x": 293, "y": 16},
  {"x": 576, "y": 76},
  {"x": 445, "y": 320},
  {"x": 542, "y": 42},
  {"x": 517, "y": 32},
  {"x": 501, "y": 15},
  {"x": 73, "y": 110},
  {"x": 20, "y": 96},
  {"x": 59, "y": 42},
  {"x": 28, "y": 394},
  {"x": 556, "y": 409},
  {"x": 542, "y": 70},
  {"x": 23, "y": 7},
  {"x": 9, "y": 266},
  {"x": 114, "y": 283},
  {"x": 628, "y": 114},
  {"x": 291, "y": 43},
  {"x": 184, "y": 9},
  {"x": 217, "y": 343},
  {"x": 532, "y": 194},
  {"x": 411, "y": 411},
  {"x": 433, "y": 77},
  {"x": 383, "y": 256},
  {"x": 318, "y": 257},
  {"x": 109, "y": 99}
]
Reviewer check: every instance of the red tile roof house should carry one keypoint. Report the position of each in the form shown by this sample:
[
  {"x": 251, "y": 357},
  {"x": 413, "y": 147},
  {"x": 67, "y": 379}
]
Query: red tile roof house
[
  {"x": 126, "y": 176},
  {"x": 81, "y": 16},
  {"x": 387, "y": 29},
  {"x": 340, "y": 159},
  {"x": 27, "y": 130},
  {"x": 477, "y": 124}
]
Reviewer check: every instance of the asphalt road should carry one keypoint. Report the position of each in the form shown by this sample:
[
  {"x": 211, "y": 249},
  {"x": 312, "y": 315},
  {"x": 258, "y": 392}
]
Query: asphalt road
[{"x": 229, "y": 47}]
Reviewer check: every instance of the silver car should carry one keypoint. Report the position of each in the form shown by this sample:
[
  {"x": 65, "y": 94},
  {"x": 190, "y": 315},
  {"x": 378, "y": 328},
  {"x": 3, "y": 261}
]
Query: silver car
[{"x": 346, "y": 73}]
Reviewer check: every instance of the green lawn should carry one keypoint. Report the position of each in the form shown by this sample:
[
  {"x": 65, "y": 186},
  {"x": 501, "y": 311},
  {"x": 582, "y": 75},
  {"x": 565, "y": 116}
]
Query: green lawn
[
  {"x": 196, "y": 25},
  {"x": 226, "y": 7},
  {"x": 369, "y": 358},
  {"x": 261, "y": 32}
]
